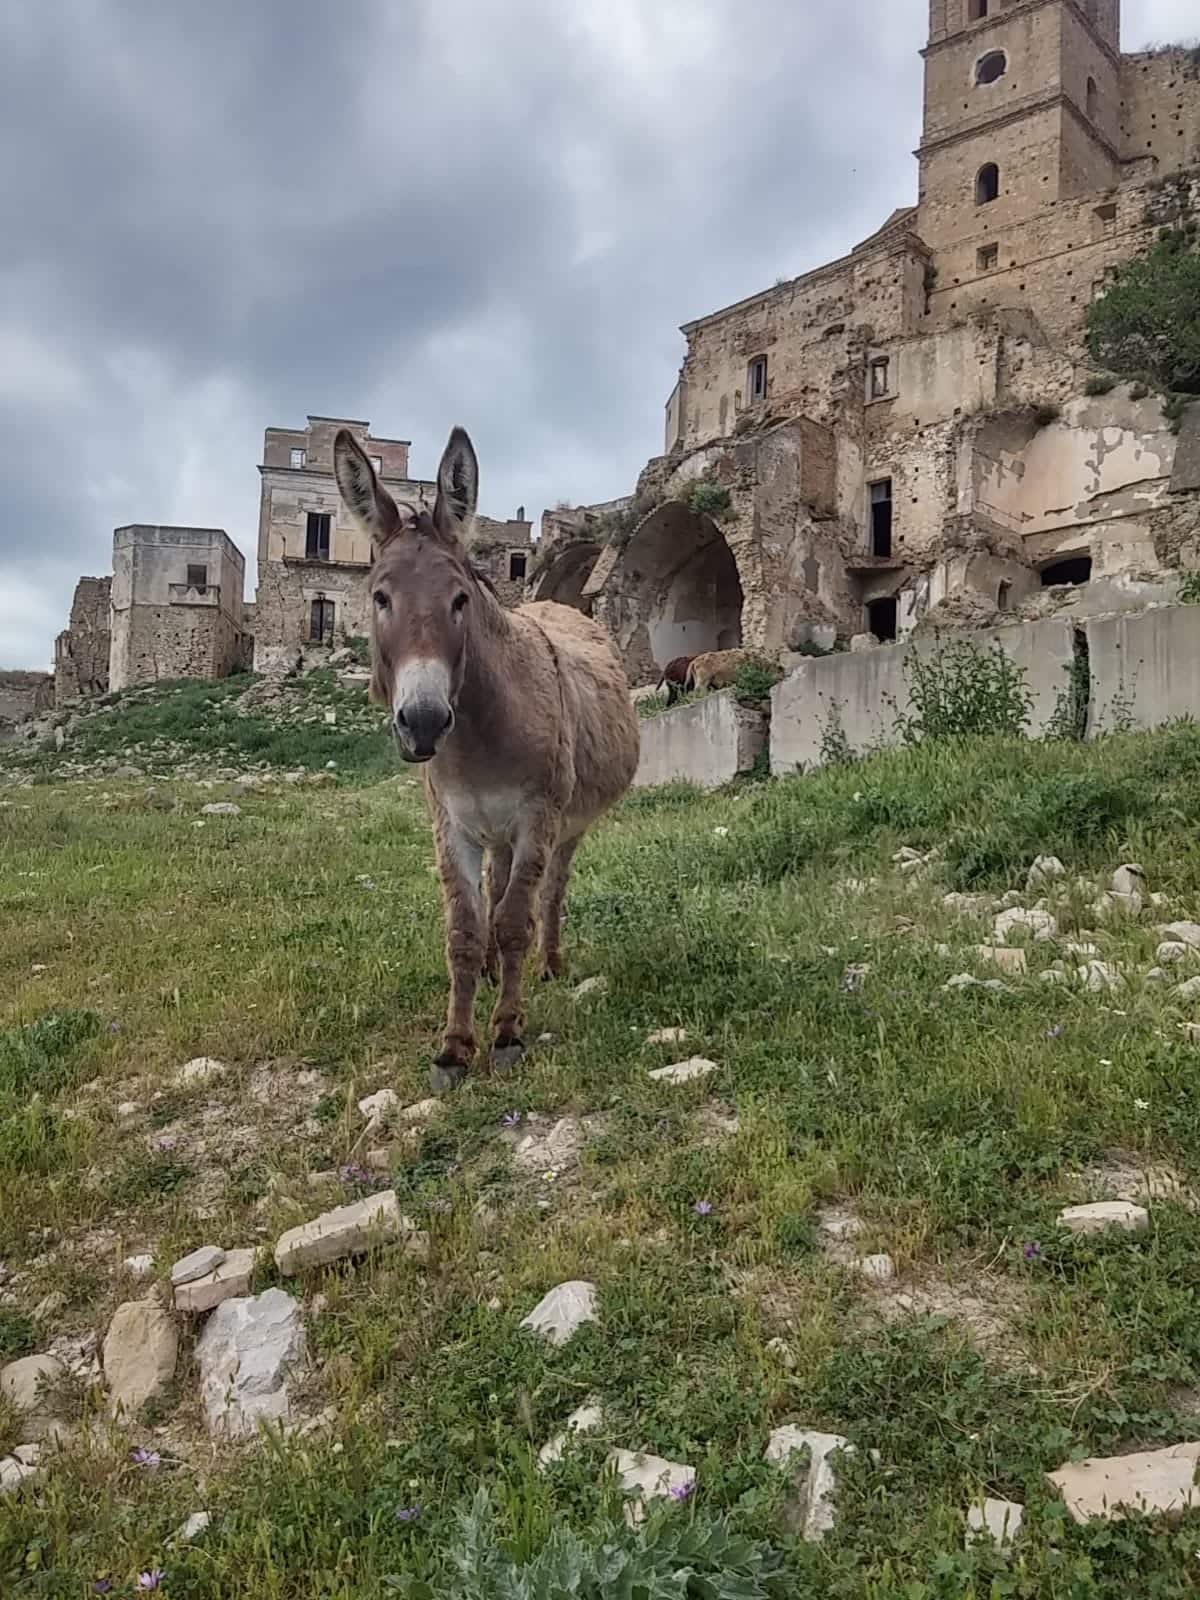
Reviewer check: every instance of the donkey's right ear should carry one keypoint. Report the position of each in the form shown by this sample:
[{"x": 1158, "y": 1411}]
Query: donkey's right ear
[{"x": 367, "y": 501}]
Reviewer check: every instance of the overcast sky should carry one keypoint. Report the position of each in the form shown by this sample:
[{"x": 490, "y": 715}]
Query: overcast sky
[{"x": 225, "y": 216}]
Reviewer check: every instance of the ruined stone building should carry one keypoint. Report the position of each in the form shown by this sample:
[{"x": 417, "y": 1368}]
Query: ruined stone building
[
  {"x": 81, "y": 650},
  {"x": 312, "y": 557},
  {"x": 907, "y": 434},
  {"x": 176, "y": 605}
]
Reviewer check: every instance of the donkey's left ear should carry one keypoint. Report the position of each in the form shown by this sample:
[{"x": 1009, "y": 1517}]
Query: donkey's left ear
[{"x": 458, "y": 485}]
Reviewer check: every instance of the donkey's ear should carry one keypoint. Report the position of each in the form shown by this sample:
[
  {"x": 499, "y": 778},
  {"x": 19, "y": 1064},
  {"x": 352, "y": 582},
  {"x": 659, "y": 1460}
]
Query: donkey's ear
[
  {"x": 367, "y": 501},
  {"x": 458, "y": 485}
]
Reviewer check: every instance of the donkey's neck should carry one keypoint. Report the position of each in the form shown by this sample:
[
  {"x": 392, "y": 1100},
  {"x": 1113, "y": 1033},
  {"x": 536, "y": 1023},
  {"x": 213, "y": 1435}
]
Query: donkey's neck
[{"x": 489, "y": 682}]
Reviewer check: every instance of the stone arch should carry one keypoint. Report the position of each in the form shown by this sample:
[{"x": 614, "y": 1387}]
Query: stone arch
[{"x": 565, "y": 574}]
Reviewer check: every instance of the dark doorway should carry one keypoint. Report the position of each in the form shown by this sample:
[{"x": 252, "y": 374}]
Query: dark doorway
[
  {"x": 881, "y": 620},
  {"x": 881, "y": 517},
  {"x": 1076, "y": 569}
]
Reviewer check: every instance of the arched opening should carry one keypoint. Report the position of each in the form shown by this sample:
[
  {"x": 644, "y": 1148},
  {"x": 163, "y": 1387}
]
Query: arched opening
[
  {"x": 881, "y": 619},
  {"x": 1093, "y": 99},
  {"x": 681, "y": 581},
  {"x": 1072, "y": 569},
  {"x": 565, "y": 574},
  {"x": 991, "y": 67},
  {"x": 987, "y": 184}
]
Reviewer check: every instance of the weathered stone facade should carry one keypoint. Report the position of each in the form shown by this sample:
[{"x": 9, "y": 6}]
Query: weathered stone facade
[
  {"x": 313, "y": 559},
  {"x": 905, "y": 434},
  {"x": 176, "y": 605},
  {"x": 23, "y": 695},
  {"x": 81, "y": 651}
]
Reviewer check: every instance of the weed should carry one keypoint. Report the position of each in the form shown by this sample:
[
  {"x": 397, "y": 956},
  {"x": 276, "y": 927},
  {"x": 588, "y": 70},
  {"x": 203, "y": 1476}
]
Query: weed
[
  {"x": 1189, "y": 588},
  {"x": 836, "y": 749},
  {"x": 17, "y": 1336},
  {"x": 959, "y": 689},
  {"x": 706, "y": 499},
  {"x": 755, "y": 679}
]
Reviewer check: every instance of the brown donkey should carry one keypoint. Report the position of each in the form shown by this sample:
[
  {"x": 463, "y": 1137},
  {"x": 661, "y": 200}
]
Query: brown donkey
[{"x": 523, "y": 719}]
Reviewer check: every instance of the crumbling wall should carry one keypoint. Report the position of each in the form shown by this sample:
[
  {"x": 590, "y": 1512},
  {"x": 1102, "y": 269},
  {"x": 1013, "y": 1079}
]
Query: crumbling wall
[
  {"x": 153, "y": 643},
  {"x": 81, "y": 651},
  {"x": 24, "y": 694}
]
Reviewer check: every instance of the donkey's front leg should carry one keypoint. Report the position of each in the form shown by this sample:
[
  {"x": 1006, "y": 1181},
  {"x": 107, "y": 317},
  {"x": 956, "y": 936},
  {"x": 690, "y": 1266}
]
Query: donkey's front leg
[
  {"x": 460, "y": 864},
  {"x": 514, "y": 931}
]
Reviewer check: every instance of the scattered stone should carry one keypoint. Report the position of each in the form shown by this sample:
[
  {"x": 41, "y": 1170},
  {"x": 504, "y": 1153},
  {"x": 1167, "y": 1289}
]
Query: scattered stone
[
  {"x": 590, "y": 988},
  {"x": 200, "y": 1264},
  {"x": 552, "y": 1151},
  {"x": 586, "y": 1419},
  {"x": 650, "y": 1478},
  {"x": 999, "y": 1519},
  {"x": 1052, "y": 975},
  {"x": 877, "y": 1269},
  {"x": 422, "y": 1111},
  {"x": 140, "y": 1351},
  {"x": 223, "y": 808},
  {"x": 1103, "y": 1214},
  {"x": 811, "y": 1514},
  {"x": 1172, "y": 950},
  {"x": 28, "y": 1454},
  {"x": 1185, "y": 932},
  {"x": 245, "y": 1354},
  {"x": 1098, "y": 977},
  {"x": 967, "y": 905},
  {"x": 1157, "y": 975},
  {"x": 199, "y": 1522},
  {"x": 1159, "y": 1482},
  {"x": 127, "y": 1110},
  {"x": 139, "y": 1266},
  {"x": 559, "y": 1315},
  {"x": 13, "y": 1473},
  {"x": 346, "y": 1231},
  {"x": 667, "y": 1036},
  {"x": 1040, "y": 923},
  {"x": 1009, "y": 958},
  {"x": 1084, "y": 951},
  {"x": 1129, "y": 883},
  {"x": 968, "y": 980},
  {"x": 380, "y": 1107},
  {"x": 232, "y": 1277},
  {"x": 1189, "y": 990},
  {"x": 200, "y": 1070},
  {"x": 684, "y": 1071},
  {"x": 1044, "y": 870},
  {"x": 855, "y": 976},
  {"x": 1191, "y": 1032},
  {"x": 782, "y": 1352},
  {"x": 28, "y": 1385},
  {"x": 1124, "y": 1177}
]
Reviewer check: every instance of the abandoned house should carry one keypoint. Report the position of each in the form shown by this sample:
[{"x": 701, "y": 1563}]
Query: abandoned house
[{"x": 908, "y": 436}]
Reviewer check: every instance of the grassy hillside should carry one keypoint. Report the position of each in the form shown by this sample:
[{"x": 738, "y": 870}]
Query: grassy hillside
[{"x": 299, "y": 941}]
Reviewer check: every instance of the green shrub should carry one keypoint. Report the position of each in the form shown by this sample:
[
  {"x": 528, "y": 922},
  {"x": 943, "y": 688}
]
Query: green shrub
[
  {"x": 707, "y": 499},
  {"x": 959, "y": 689},
  {"x": 836, "y": 750},
  {"x": 1147, "y": 323},
  {"x": 1189, "y": 589},
  {"x": 755, "y": 679}
]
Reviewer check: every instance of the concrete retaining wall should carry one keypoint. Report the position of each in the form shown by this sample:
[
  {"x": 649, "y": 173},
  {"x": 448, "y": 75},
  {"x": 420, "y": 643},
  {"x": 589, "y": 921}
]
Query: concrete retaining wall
[
  {"x": 1145, "y": 669},
  {"x": 707, "y": 743}
]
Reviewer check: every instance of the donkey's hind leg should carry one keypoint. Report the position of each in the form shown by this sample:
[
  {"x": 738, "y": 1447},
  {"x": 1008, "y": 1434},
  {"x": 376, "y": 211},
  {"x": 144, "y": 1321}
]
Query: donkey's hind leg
[
  {"x": 499, "y": 868},
  {"x": 554, "y": 892}
]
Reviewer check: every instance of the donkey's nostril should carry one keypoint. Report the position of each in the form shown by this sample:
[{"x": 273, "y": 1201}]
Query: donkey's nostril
[{"x": 401, "y": 719}]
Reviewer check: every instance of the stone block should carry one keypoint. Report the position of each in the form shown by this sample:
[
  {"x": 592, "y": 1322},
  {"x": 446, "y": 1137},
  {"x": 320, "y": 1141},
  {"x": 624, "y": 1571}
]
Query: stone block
[
  {"x": 1159, "y": 1482},
  {"x": 346, "y": 1231}
]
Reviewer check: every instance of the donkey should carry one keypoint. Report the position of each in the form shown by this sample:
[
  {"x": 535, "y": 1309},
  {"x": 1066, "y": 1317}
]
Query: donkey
[
  {"x": 674, "y": 677},
  {"x": 522, "y": 720}
]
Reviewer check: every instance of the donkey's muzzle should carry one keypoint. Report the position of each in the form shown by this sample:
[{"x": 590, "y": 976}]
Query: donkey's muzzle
[{"x": 420, "y": 726}]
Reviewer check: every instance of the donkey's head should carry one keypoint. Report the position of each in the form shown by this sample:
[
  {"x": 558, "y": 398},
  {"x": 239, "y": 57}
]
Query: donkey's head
[{"x": 422, "y": 585}]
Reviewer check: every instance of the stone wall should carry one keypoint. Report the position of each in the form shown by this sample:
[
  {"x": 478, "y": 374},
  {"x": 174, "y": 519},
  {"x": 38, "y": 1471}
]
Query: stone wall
[
  {"x": 1145, "y": 668},
  {"x": 177, "y": 604},
  {"x": 708, "y": 743},
  {"x": 81, "y": 651},
  {"x": 23, "y": 695}
]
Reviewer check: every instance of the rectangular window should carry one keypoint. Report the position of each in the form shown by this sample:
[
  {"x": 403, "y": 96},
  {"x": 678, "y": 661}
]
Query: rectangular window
[
  {"x": 756, "y": 383},
  {"x": 987, "y": 258},
  {"x": 377, "y": 463},
  {"x": 316, "y": 539},
  {"x": 320, "y": 630},
  {"x": 881, "y": 517},
  {"x": 516, "y": 566},
  {"x": 299, "y": 458},
  {"x": 880, "y": 377},
  {"x": 197, "y": 577}
]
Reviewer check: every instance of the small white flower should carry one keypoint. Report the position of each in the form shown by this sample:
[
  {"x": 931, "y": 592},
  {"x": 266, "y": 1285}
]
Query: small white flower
[
  {"x": 1141, "y": 1105},
  {"x": 1105, "y": 1062},
  {"x": 721, "y": 833}
]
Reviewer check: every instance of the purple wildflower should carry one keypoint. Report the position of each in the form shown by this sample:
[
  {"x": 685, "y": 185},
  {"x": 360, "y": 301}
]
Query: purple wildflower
[
  {"x": 440, "y": 1206},
  {"x": 151, "y": 1579},
  {"x": 407, "y": 1513},
  {"x": 114, "y": 1027},
  {"x": 682, "y": 1491},
  {"x": 146, "y": 1458},
  {"x": 102, "y": 1586},
  {"x": 165, "y": 1143},
  {"x": 353, "y": 1173},
  {"x": 511, "y": 1119},
  {"x": 703, "y": 1208},
  {"x": 1032, "y": 1251}
]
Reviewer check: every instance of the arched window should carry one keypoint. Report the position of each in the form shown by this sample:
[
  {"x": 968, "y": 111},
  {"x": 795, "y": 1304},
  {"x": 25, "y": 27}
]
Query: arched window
[
  {"x": 987, "y": 184},
  {"x": 978, "y": 10},
  {"x": 991, "y": 67},
  {"x": 1093, "y": 99}
]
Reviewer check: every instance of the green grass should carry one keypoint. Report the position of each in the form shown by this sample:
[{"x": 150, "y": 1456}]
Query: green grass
[{"x": 301, "y": 944}]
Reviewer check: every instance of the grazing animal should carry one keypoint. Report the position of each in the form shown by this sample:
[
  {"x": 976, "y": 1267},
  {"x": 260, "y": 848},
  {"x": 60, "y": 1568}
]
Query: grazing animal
[
  {"x": 717, "y": 669},
  {"x": 522, "y": 720},
  {"x": 674, "y": 676}
]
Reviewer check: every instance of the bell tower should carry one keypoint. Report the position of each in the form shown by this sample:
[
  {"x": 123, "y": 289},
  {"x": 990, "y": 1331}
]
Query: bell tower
[{"x": 1022, "y": 109}]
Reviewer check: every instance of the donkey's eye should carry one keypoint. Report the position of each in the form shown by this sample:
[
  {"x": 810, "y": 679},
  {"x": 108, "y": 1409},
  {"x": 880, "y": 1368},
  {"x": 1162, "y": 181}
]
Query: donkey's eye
[
  {"x": 460, "y": 600},
  {"x": 381, "y": 600}
]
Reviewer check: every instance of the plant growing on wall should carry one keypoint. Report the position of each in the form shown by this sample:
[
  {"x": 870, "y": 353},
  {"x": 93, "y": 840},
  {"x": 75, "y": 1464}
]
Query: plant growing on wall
[
  {"x": 959, "y": 689},
  {"x": 1147, "y": 323},
  {"x": 706, "y": 499}
]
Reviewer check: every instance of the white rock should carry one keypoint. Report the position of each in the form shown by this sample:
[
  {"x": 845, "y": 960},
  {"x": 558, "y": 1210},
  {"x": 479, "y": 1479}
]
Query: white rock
[
  {"x": 139, "y": 1266},
  {"x": 1157, "y": 975},
  {"x": 559, "y": 1315},
  {"x": 346, "y": 1231},
  {"x": 968, "y": 980},
  {"x": 684, "y": 1071},
  {"x": 877, "y": 1269},
  {"x": 1052, "y": 975},
  {"x": 1129, "y": 881},
  {"x": 812, "y": 1513},
  {"x": 543, "y": 1152},
  {"x": 590, "y": 987},
  {"x": 245, "y": 1354},
  {"x": 1152, "y": 1481},
  {"x": 199, "y": 1070},
  {"x": 231, "y": 1278},
  {"x": 1172, "y": 950},
  {"x": 28, "y": 1386},
  {"x": 140, "y": 1352},
  {"x": 13, "y": 1474},
  {"x": 967, "y": 905},
  {"x": 667, "y": 1036},
  {"x": 1000, "y": 1519},
  {"x": 1099, "y": 976},
  {"x": 1185, "y": 932},
  {"x": 1102, "y": 1214},
  {"x": 380, "y": 1107},
  {"x": 1009, "y": 958},
  {"x": 199, "y": 1522},
  {"x": 1040, "y": 923},
  {"x": 200, "y": 1264},
  {"x": 127, "y": 1110},
  {"x": 782, "y": 1352},
  {"x": 28, "y": 1454},
  {"x": 1043, "y": 870},
  {"x": 1189, "y": 990},
  {"x": 586, "y": 1419},
  {"x": 223, "y": 808},
  {"x": 422, "y": 1111},
  {"x": 1084, "y": 951},
  {"x": 650, "y": 1478}
]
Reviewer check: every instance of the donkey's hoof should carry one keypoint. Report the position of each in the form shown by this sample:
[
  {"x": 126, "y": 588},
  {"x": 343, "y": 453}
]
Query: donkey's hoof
[
  {"x": 446, "y": 1074},
  {"x": 505, "y": 1056}
]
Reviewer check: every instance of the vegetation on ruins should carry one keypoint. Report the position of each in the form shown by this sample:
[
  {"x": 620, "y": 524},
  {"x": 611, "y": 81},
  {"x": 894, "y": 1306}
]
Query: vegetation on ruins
[
  {"x": 1146, "y": 325},
  {"x": 958, "y": 690}
]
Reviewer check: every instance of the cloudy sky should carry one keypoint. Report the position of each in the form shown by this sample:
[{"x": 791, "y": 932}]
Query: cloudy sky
[{"x": 225, "y": 216}]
